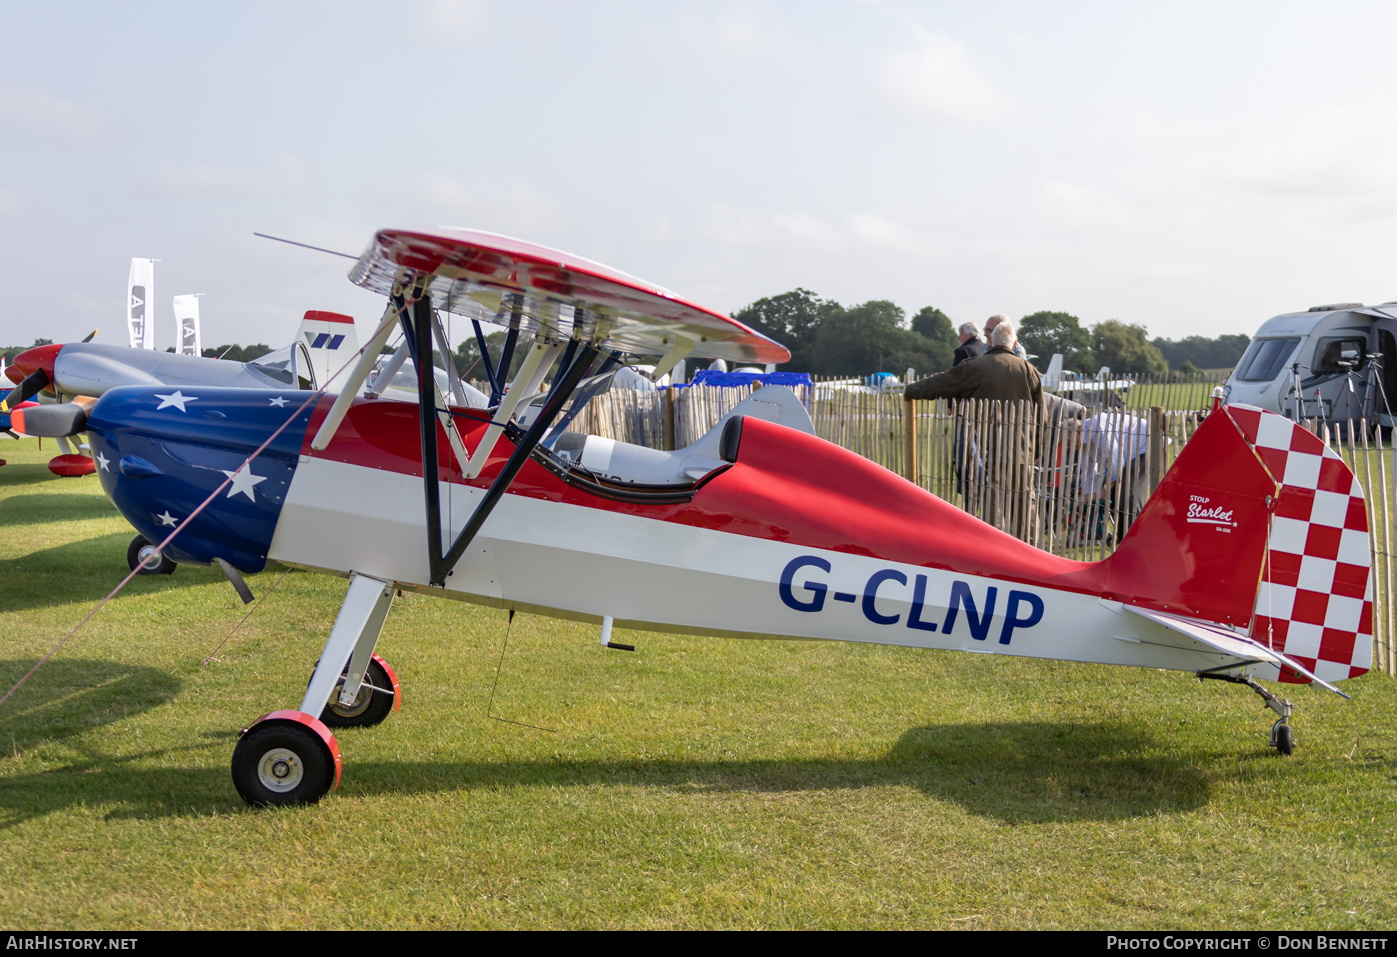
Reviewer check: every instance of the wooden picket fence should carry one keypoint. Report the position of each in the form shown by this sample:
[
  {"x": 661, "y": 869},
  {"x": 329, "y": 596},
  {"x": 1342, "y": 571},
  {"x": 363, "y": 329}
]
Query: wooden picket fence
[{"x": 1018, "y": 469}]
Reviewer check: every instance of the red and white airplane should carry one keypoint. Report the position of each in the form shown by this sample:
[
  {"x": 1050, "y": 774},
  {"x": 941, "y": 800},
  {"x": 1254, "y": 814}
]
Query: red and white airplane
[{"x": 1250, "y": 561}]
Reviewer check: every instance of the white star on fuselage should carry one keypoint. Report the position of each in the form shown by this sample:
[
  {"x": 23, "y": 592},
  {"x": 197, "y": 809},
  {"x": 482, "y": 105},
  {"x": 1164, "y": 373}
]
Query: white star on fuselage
[
  {"x": 167, "y": 518},
  {"x": 102, "y": 461},
  {"x": 243, "y": 481},
  {"x": 278, "y": 401},
  {"x": 176, "y": 399}
]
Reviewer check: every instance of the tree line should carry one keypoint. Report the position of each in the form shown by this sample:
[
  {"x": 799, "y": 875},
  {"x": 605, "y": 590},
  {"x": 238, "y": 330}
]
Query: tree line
[{"x": 826, "y": 338}]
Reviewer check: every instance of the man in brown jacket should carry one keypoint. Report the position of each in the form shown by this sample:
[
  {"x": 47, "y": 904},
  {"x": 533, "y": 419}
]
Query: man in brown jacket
[
  {"x": 998, "y": 374},
  {"x": 994, "y": 445}
]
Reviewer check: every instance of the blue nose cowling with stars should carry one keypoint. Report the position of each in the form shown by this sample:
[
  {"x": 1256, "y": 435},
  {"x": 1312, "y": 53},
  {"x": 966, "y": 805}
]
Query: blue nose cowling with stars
[{"x": 161, "y": 452}]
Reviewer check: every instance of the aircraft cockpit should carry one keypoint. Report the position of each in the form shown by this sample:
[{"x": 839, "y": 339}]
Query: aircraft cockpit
[{"x": 288, "y": 367}]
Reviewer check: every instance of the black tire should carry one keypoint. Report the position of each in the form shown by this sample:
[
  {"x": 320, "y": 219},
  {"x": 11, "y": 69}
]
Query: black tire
[
  {"x": 156, "y": 563},
  {"x": 1285, "y": 739},
  {"x": 370, "y": 707},
  {"x": 282, "y": 763}
]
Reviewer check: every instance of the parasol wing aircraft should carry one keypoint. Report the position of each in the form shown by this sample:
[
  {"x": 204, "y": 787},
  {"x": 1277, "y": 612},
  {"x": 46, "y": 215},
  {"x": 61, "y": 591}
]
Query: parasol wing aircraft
[{"x": 1250, "y": 562}]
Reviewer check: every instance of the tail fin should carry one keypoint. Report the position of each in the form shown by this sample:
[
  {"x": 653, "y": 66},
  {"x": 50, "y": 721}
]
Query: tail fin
[
  {"x": 1054, "y": 373},
  {"x": 1315, "y": 603},
  {"x": 330, "y": 339},
  {"x": 1258, "y": 525}
]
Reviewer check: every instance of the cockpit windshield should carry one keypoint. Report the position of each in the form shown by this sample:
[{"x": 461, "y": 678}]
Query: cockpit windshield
[{"x": 284, "y": 367}]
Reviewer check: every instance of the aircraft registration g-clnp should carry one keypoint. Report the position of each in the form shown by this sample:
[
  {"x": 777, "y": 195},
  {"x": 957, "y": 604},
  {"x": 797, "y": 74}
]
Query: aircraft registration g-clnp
[{"x": 1250, "y": 561}]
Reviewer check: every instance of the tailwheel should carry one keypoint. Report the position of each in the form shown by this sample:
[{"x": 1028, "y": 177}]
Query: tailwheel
[
  {"x": 1282, "y": 735},
  {"x": 378, "y": 697},
  {"x": 145, "y": 556},
  {"x": 286, "y": 758}
]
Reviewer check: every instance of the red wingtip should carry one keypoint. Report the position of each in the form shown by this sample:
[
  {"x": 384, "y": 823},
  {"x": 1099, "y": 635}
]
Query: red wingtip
[{"x": 30, "y": 360}]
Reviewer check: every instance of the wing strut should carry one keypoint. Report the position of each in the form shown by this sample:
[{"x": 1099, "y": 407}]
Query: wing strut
[
  {"x": 568, "y": 379},
  {"x": 596, "y": 383},
  {"x": 418, "y": 323},
  {"x": 485, "y": 358},
  {"x": 418, "y": 332}
]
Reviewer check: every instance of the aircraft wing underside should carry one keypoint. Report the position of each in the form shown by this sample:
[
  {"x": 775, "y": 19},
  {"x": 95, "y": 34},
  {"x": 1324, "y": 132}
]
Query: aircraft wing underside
[{"x": 496, "y": 279}]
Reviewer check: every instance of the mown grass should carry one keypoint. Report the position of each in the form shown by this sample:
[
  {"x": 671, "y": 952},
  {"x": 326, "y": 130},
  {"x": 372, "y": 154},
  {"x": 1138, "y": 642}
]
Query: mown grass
[{"x": 694, "y": 783}]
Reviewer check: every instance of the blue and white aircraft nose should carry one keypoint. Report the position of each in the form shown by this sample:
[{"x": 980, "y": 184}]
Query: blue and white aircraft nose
[{"x": 162, "y": 451}]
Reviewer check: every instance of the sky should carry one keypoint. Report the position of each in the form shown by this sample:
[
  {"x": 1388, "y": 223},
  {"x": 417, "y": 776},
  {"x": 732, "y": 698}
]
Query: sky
[{"x": 1192, "y": 167}]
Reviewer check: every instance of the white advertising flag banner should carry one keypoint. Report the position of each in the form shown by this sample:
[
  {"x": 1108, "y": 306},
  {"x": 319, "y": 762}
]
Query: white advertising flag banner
[
  {"x": 187, "y": 326},
  {"x": 140, "y": 311}
]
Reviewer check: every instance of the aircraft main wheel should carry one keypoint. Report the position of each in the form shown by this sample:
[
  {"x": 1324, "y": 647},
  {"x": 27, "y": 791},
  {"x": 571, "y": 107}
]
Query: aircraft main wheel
[
  {"x": 145, "y": 556},
  {"x": 284, "y": 762},
  {"x": 370, "y": 706},
  {"x": 1285, "y": 739}
]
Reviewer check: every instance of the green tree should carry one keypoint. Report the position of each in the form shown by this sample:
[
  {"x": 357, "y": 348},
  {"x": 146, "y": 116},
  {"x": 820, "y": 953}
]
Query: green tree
[
  {"x": 237, "y": 353},
  {"x": 1047, "y": 333},
  {"x": 1220, "y": 353},
  {"x": 937, "y": 328},
  {"x": 870, "y": 338},
  {"x": 467, "y": 356},
  {"x": 1126, "y": 347},
  {"x": 792, "y": 319}
]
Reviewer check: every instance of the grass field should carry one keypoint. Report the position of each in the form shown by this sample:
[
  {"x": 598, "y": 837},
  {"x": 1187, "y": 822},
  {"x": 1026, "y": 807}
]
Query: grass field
[{"x": 694, "y": 783}]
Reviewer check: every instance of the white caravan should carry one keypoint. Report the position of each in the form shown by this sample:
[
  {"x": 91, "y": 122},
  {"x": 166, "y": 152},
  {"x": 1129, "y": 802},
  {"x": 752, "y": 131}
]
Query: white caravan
[{"x": 1336, "y": 362}]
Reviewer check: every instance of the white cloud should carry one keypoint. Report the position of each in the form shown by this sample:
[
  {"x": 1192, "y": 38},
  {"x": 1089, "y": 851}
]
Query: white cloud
[
  {"x": 211, "y": 178},
  {"x": 1071, "y": 204},
  {"x": 809, "y": 229},
  {"x": 937, "y": 76},
  {"x": 885, "y": 234},
  {"x": 510, "y": 206},
  {"x": 804, "y": 230},
  {"x": 701, "y": 41},
  {"x": 52, "y": 116},
  {"x": 737, "y": 227},
  {"x": 1330, "y": 163},
  {"x": 453, "y": 21},
  {"x": 12, "y": 202}
]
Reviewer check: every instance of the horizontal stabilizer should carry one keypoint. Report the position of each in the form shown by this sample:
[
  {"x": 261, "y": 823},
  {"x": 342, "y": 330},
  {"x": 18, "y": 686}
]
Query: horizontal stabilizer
[{"x": 1213, "y": 637}]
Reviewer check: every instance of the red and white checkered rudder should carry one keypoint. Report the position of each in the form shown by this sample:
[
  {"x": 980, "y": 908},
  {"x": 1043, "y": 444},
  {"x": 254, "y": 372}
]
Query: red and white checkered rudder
[{"x": 1315, "y": 603}]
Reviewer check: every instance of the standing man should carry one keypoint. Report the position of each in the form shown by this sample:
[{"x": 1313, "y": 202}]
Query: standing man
[
  {"x": 971, "y": 345},
  {"x": 992, "y": 323},
  {"x": 998, "y": 375}
]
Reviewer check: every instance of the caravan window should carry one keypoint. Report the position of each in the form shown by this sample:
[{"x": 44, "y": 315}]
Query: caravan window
[
  {"x": 1265, "y": 359},
  {"x": 1339, "y": 355}
]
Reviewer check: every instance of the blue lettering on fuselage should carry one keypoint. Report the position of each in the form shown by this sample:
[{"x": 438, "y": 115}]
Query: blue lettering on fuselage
[
  {"x": 1023, "y": 609},
  {"x": 817, "y": 590}
]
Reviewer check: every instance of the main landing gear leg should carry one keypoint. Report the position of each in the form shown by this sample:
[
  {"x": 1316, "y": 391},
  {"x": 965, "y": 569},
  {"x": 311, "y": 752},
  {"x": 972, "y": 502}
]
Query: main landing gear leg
[
  {"x": 1282, "y": 734},
  {"x": 354, "y": 636},
  {"x": 291, "y": 757}
]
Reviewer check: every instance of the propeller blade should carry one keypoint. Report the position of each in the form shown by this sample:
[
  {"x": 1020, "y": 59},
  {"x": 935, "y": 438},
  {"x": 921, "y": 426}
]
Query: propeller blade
[
  {"x": 27, "y": 389},
  {"x": 50, "y": 421},
  {"x": 91, "y": 335}
]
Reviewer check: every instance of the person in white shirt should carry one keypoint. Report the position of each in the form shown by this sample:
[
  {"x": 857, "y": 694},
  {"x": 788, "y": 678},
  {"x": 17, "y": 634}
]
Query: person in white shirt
[{"x": 1111, "y": 466}]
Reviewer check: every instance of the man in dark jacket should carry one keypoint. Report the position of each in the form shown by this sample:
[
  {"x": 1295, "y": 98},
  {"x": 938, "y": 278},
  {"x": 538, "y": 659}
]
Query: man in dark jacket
[
  {"x": 995, "y": 446},
  {"x": 998, "y": 374},
  {"x": 971, "y": 345}
]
